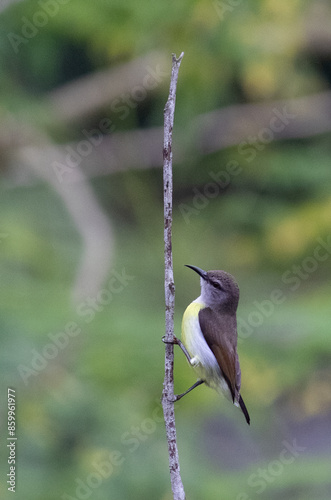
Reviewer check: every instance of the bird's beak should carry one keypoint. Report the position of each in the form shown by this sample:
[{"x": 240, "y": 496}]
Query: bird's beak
[{"x": 201, "y": 273}]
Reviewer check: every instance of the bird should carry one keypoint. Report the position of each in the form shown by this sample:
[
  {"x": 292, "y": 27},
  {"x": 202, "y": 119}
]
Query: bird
[{"x": 209, "y": 336}]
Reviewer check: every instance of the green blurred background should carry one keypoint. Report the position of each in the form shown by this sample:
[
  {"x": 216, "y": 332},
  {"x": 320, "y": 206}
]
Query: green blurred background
[{"x": 83, "y": 88}]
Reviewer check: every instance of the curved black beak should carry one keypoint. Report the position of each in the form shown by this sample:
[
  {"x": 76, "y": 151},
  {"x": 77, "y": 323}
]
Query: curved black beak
[{"x": 200, "y": 272}]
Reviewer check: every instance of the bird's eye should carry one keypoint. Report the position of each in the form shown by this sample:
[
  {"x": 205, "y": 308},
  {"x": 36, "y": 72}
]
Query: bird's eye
[{"x": 217, "y": 285}]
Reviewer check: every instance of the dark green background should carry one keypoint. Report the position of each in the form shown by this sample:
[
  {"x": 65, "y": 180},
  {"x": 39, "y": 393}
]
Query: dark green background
[{"x": 91, "y": 413}]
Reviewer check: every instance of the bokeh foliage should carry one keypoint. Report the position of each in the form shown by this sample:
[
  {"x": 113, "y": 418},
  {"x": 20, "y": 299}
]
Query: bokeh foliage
[{"x": 100, "y": 394}]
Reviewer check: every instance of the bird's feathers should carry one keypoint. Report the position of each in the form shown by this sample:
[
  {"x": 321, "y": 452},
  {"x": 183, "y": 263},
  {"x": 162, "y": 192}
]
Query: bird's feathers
[
  {"x": 220, "y": 333},
  {"x": 209, "y": 333},
  {"x": 244, "y": 410},
  {"x": 206, "y": 364}
]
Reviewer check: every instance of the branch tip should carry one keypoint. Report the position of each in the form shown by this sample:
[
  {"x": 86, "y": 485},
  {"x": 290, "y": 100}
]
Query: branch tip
[{"x": 177, "y": 60}]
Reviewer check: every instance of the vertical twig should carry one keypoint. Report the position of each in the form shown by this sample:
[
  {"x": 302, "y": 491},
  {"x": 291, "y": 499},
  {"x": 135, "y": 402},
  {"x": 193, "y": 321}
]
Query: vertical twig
[{"x": 168, "y": 385}]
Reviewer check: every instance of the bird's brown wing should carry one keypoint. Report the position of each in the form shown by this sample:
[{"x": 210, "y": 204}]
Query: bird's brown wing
[{"x": 220, "y": 333}]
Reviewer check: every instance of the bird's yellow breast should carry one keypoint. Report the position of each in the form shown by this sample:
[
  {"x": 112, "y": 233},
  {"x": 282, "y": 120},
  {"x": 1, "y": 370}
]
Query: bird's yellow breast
[
  {"x": 190, "y": 322},
  {"x": 192, "y": 336}
]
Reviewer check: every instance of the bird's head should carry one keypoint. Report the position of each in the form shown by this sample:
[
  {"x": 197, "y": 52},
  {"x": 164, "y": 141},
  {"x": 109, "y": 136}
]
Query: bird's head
[{"x": 219, "y": 289}]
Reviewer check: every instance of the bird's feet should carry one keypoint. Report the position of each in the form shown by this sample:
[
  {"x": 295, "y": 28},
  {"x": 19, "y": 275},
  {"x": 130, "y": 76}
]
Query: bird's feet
[
  {"x": 175, "y": 340},
  {"x": 173, "y": 399}
]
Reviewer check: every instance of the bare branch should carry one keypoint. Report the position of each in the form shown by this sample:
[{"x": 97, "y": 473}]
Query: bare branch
[{"x": 169, "y": 286}]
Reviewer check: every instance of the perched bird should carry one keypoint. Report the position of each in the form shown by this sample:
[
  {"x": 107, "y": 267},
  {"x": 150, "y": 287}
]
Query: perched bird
[{"x": 209, "y": 335}]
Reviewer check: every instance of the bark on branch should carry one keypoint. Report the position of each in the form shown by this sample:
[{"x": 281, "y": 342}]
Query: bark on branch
[{"x": 168, "y": 385}]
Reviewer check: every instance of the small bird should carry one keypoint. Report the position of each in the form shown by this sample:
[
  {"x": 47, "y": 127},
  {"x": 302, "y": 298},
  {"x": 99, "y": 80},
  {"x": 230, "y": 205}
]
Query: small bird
[{"x": 209, "y": 335}]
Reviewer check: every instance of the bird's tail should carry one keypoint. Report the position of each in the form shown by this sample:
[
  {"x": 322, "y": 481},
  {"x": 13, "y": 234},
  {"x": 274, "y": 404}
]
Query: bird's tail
[{"x": 244, "y": 410}]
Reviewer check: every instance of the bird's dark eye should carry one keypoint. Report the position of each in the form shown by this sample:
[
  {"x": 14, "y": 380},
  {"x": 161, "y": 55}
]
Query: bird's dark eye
[{"x": 217, "y": 285}]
